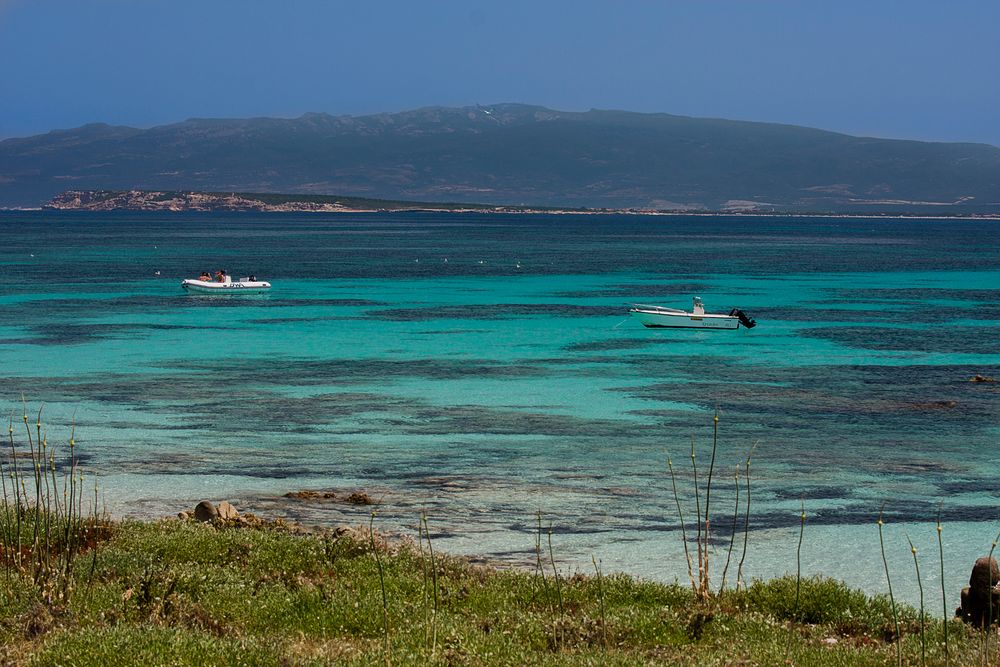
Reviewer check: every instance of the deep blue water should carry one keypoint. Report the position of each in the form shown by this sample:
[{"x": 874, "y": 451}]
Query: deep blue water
[{"x": 482, "y": 367}]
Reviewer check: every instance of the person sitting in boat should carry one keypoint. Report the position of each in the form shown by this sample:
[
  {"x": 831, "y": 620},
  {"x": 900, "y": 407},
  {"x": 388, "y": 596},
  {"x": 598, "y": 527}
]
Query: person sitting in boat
[
  {"x": 205, "y": 277},
  {"x": 220, "y": 276}
]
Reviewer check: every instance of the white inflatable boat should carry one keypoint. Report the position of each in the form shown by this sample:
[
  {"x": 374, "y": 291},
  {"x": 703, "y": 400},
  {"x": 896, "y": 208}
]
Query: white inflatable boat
[{"x": 226, "y": 286}]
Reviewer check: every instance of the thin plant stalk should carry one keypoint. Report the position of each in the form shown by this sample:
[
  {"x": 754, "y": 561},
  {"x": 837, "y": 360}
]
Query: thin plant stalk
[
  {"x": 55, "y": 485},
  {"x": 43, "y": 461},
  {"x": 708, "y": 497},
  {"x": 434, "y": 584},
  {"x": 888, "y": 581},
  {"x": 680, "y": 515},
  {"x": 732, "y": 534},
  {"x": 8, "y": 526},
  {"x": 74, "y": 508},
  {"x": 746, "y": 523},
  {"x": 944, "y": 598},
  {"x": 43, "y": 510},
  {"x": 15, "y": 475},
  {"x": 93, "y": 527},
  {"x": 423, "y": 569},
  {"x": 40, "y": 476},
  {"x": 697, "y": 508},
  {"x": 6, "y": 522},
  {"x": 78, "y": 534},
  {"x": 539, "y": 568},
  {"x": 385, "y": 599},
  {"x": 555, "y": 574},
  {"x": 600, "y": 597},
  {"x": 920, "y": 586},
  {"x": 798, "y": 557},
  {"x": 36, "y": 552}
]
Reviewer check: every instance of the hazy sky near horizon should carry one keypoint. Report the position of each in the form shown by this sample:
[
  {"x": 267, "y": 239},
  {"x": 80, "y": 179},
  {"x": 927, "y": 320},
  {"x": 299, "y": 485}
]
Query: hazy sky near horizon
[{"x": 921, "y": 69}]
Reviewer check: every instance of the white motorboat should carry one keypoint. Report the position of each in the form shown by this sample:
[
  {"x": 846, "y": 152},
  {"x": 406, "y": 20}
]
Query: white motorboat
[
  {"x": 227, "y": 285},
  {"x": 658, "y": 316}
]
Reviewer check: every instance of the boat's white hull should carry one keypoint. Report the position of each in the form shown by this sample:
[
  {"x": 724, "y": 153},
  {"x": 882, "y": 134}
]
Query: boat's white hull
[
  {"x": 668, "y": 318},
  {"x": 211, "y": 287}
]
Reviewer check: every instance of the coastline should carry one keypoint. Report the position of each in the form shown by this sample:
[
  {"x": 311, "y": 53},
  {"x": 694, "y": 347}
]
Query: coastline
[
  {"x": 654, "y": 554},
  {"x": 187, "y": 202},
  {"x": 258, "y": 591}
]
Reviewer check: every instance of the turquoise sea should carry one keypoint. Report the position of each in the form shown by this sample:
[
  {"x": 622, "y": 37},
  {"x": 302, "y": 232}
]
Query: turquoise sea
[{"x": 482, "y": 368}]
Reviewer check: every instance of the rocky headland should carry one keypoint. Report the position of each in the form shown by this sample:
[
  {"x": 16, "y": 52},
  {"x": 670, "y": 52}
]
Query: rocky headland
[
  {"x": 190, "y": 201},
  {"x": 156, "y": 200}
]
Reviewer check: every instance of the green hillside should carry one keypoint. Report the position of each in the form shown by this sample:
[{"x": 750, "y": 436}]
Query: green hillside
[{"x": 513, "y": 155}]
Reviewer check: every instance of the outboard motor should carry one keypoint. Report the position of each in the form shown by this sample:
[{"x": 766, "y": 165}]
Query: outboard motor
[{"x": 745, "y": 319}]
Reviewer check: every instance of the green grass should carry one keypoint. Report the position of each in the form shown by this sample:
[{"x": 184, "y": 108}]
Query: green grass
[{"x": 183, "y": 593}]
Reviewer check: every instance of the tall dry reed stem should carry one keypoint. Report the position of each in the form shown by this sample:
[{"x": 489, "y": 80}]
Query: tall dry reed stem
[
  {"x": 888, "y": 581},
  {"x": 600, "y": 597},
  {"x": 699, "y": 543},
  {"x": 798, "y": 582},
  {"x": 434, "y": 583},
  {"x": 746, "y": 523},
  {"x": 386, "y": 651},
  {"x": 36, "y": 555},
  {"x": 424, "y": 578},
  {"x": 543, "y": 589},
  {"x": 15, "y": 543},
  {"x": 705, "y": 589},
  {"x": 555, "y": 576},
  {"x": 944, "y": 597},
  {"x": 920, "y": 587},
  {"x": 732, "y": 534},
  {"x": 93, "y": 558},
  {"x": 798, "y": 557},
  {"x": 7, "y": 536}
]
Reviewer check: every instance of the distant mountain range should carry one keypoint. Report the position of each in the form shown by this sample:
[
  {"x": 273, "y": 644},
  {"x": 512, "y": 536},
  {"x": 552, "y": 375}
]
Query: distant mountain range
[{"x": 512, "y": 154}]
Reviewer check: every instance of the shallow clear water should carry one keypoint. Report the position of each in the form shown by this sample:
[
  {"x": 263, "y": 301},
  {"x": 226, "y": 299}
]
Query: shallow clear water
[{"x": 482, "y": 368}]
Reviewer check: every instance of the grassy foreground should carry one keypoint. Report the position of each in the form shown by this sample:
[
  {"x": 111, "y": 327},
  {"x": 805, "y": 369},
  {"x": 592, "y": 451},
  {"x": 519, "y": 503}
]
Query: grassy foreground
[{"x": 186, "y": 593}]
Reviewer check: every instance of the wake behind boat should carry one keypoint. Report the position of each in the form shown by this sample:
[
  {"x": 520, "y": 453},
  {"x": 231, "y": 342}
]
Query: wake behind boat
[
  {"x": 661, "y": 317},
  {"x": 224, "y": 284}
]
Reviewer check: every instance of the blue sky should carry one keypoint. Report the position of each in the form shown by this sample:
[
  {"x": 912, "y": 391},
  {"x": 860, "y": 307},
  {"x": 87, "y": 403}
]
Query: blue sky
[{"x": 917, "y": 69}]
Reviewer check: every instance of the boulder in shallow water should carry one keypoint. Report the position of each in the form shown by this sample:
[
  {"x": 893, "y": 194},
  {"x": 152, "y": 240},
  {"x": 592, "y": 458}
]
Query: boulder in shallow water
[
  {"x": 205, "y": 511},
  {"x": 311, "y": 495},
  {"x": 981, "y": 599},
  {"x": 227, "y": 512},
  {"x": 360, "y": 498}
]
